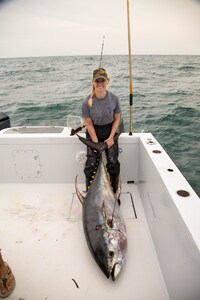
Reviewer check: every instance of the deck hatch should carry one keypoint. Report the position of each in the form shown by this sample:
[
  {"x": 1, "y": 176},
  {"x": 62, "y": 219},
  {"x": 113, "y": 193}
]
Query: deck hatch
[{"x": 27, "y": 163}]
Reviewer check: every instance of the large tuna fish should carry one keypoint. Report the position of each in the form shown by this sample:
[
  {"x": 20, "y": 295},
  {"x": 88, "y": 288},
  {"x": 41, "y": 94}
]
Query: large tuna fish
[{"x": 103, "y": 223}]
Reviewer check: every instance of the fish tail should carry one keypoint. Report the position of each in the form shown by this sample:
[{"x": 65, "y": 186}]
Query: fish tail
[{"x": 99, "y": 147}]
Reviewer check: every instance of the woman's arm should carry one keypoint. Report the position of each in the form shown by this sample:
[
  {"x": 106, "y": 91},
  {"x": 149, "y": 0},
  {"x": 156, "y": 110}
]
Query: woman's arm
[
  {"x": 90, "y": 129},
  {"x": 115, "y": 125}
]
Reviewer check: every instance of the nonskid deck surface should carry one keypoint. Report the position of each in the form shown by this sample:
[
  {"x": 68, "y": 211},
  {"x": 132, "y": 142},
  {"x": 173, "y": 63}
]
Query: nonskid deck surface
[{"x": 42, "y": 238}]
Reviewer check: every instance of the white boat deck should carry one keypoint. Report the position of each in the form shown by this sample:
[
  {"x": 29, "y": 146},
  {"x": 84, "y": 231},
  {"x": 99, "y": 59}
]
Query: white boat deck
[
  {"x": 41, "y": 232},
  {"x": 43, "y": 241}
]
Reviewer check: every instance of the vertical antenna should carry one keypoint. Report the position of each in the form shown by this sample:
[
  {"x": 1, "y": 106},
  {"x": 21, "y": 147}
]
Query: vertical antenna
[
  {"x": 130, "y": 65},
  {"x": 101, "y": 52}
]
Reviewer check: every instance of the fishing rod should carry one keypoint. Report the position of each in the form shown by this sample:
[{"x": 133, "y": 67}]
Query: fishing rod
[
  {"x": 101, "y": 52},
  {"x": 131, "y": 90},
  {"x": 130, "y": 68},
  {"x": 75, "y": 131}
]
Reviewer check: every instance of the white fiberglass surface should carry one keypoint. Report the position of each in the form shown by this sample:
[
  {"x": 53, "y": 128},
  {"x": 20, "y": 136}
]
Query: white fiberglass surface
[{"x": 42, "y": 239}]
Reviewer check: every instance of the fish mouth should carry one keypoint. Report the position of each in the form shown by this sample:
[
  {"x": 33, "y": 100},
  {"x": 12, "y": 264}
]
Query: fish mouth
[
  {"x": 115, "y": 271},
  {"x": 112, "y": 272}
]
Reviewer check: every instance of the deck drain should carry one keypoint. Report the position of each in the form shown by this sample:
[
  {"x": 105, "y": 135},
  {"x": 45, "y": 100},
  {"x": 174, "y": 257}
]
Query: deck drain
[
  {"x": 157, "y": 151},
  {"x": 183, "y": 193},
  {"x": 170, "y": 170}
]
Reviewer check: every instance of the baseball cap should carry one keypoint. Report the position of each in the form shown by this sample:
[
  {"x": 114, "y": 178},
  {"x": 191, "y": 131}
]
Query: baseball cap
[{"x": 100, "y": 73}]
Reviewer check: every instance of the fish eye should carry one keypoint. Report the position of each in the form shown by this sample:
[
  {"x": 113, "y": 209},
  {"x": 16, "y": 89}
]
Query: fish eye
[{"x": 111, "y": 253}]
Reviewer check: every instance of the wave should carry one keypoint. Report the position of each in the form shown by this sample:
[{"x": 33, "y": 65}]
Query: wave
[{"x": 186, "y": 68}]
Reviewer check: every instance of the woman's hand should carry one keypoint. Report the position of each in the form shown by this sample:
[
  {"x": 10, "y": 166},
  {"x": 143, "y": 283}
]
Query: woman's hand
[{"x": 109, "y": 142}]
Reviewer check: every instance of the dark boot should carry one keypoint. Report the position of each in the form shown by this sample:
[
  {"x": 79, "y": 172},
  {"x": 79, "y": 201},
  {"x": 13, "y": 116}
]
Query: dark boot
[
  {"x": 114, "y": 183},
  {"x": 114, "y": 180}
]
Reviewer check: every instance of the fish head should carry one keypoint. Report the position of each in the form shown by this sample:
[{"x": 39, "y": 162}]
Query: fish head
[
  {"x": 116, "y": 254},
  {"x": 114, "y": 265},
  {"x": 110, "y": 255}
]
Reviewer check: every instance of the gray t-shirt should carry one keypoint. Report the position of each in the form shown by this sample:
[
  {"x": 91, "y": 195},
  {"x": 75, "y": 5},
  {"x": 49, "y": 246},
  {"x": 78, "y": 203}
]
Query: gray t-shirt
[{"x": 102, "y": 110}]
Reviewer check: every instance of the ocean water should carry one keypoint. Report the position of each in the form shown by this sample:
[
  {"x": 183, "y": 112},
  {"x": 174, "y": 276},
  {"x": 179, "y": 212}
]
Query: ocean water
[{"x": 166, "y": 97}]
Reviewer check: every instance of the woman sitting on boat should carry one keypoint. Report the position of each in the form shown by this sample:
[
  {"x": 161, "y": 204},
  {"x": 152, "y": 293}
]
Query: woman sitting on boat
[{"x": 102, "y": 115}]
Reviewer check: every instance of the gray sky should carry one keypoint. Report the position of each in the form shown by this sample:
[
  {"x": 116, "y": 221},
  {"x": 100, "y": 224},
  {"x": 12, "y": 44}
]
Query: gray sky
[{"x": 77, "y": 27}]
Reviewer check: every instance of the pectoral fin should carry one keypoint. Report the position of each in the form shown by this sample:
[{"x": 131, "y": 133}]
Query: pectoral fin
[{"x": 78, "y": 193}]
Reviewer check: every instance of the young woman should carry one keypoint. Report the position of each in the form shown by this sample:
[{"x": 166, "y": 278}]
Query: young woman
[{"x": 102, "y": 115}]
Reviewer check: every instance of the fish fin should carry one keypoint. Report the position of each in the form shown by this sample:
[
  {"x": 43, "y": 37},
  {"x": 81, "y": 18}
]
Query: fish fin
[
  {"x": 108, "y": 221},
  {"x": 78, "y": 193},
  {"x": 102, "y": 146},
  {"x": 104, "y": 210}
]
